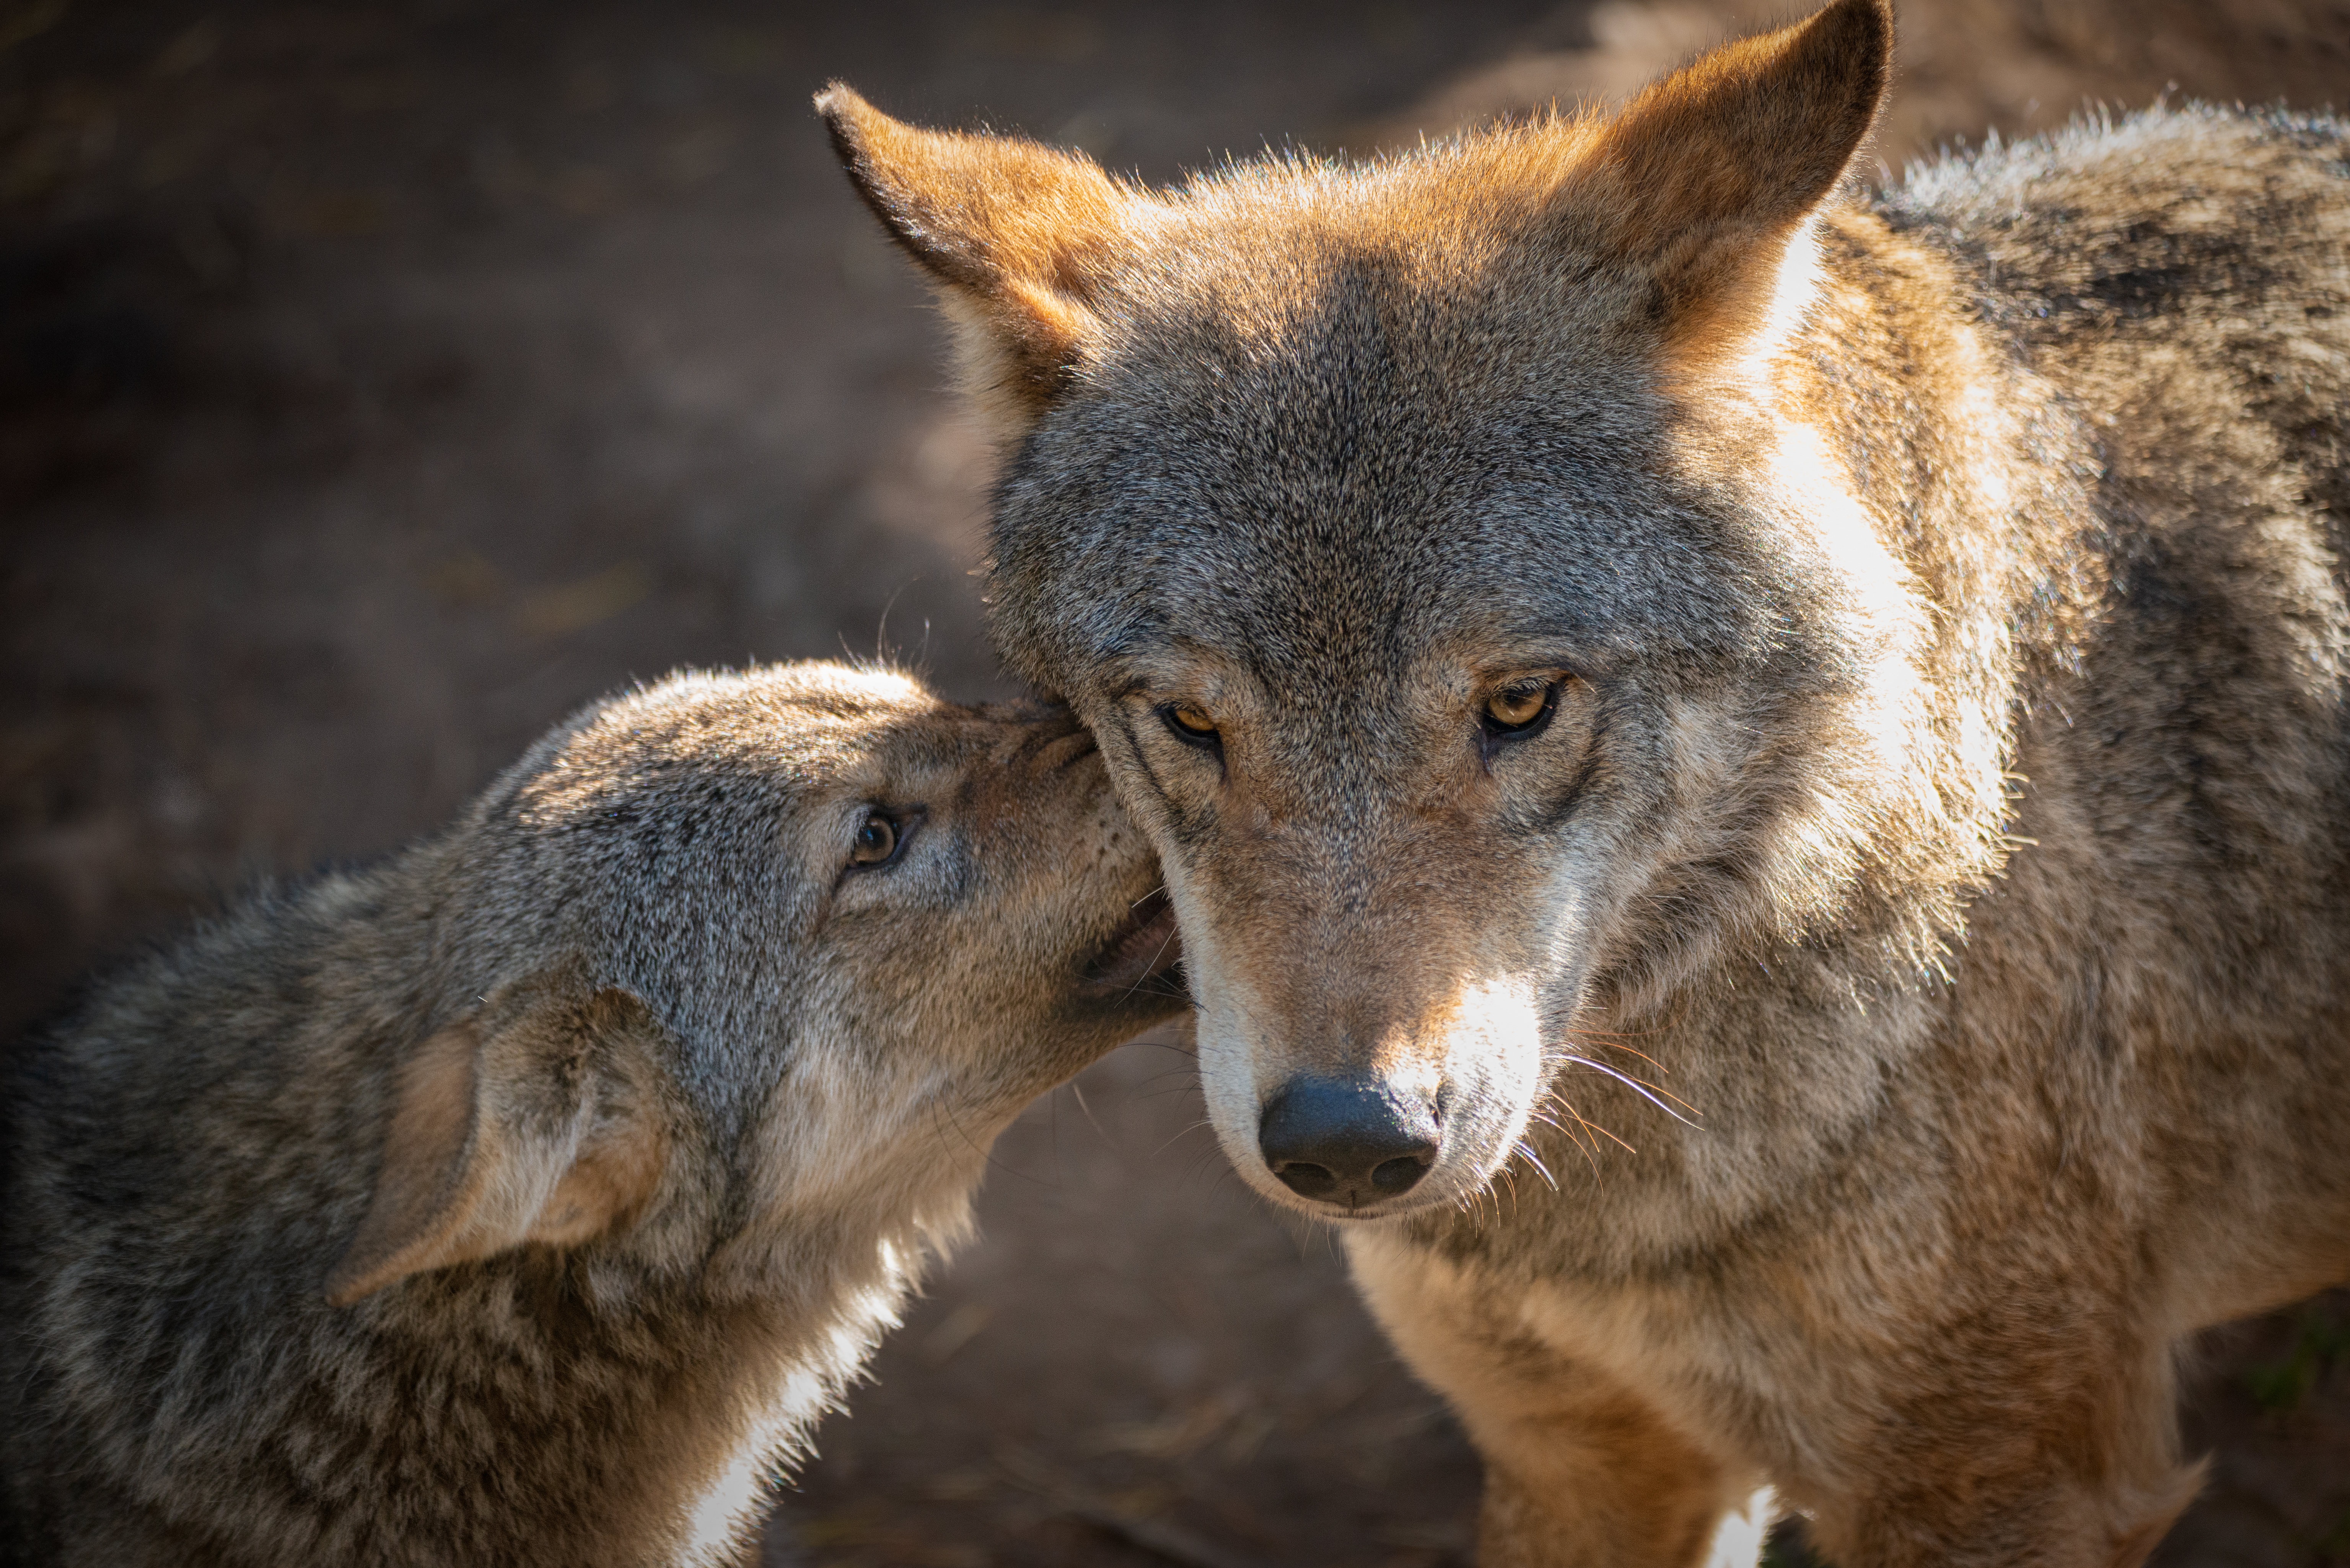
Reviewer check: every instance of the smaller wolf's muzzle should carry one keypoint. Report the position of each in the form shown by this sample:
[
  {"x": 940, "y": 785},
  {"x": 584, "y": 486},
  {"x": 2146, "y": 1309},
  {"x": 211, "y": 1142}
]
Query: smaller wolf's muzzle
[{"x": 1349, "y": 1142}]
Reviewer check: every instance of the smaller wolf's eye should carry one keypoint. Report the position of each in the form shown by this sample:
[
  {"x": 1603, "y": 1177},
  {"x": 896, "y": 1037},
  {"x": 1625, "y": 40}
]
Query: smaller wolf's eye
[
  {"x": 1518, "y": 706},
  {"x": 878, "y": 838}
]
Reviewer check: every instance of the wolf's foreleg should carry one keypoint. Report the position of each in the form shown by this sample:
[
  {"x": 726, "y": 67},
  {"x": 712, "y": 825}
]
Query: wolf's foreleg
[
  {"x": 1580, "y": 1471},
  {"x": 2003, "y": 1469}
]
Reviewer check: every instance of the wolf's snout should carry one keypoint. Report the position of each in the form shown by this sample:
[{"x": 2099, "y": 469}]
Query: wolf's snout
[{"x": 1346, "y": 1141}]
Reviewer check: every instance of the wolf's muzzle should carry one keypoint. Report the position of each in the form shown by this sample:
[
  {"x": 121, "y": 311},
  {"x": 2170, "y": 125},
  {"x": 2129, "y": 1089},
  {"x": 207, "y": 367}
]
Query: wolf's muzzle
[{"x": 1352, "y": 1143}]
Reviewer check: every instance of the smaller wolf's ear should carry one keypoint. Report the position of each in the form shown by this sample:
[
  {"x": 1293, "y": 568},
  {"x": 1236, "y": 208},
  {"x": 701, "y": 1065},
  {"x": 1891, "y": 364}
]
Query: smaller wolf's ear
[
  {"x": 1018, "y": 238},
  {"x": 536, "y": 1119},
  {"x": 1707, "y": 176}
]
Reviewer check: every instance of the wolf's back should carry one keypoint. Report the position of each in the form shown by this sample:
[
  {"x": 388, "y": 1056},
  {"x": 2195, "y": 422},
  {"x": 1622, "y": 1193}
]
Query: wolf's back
[
  {"x": 2177, "y": 284},
  {"x": 2182, "y": 275}
]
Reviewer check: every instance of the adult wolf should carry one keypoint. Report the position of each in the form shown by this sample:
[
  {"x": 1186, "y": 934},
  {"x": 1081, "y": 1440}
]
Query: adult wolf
[{"x": 1753, "y": 775}]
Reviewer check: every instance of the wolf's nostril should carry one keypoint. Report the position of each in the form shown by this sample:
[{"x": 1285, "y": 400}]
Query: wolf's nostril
[
  {"x": 1346, "y": 1140},
  {"x": 1306, "y": 1181}
]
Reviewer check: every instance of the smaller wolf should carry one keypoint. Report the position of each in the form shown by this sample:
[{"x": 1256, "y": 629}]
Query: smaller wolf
[{"x": 525, "y": 1199}]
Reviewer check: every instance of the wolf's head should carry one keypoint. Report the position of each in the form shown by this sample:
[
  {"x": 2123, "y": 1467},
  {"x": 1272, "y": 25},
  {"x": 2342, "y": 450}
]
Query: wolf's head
[
  {"x": 747, "y": 958},
  {"x": 1457, "y": 605}
]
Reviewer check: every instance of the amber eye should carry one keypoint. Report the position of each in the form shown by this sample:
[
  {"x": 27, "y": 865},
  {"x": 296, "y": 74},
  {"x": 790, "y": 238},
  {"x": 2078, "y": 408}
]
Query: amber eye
[
  {"x": 876, "y": 843},
  {"x": 1517, "y": 705},
  {"x": 1191, "y": 725}
]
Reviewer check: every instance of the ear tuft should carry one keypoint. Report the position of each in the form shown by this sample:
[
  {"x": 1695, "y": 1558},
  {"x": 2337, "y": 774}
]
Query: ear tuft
[
  {"x": 1018, "y": 236},
  {"x": 536, "y": 1120}
]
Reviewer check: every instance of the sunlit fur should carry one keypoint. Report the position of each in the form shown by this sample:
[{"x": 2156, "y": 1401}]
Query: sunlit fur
[
  {"x": 1904, "y": 991},
  {"x": 1904, "y": 987},
  {"x": 771, "y": 1079}
]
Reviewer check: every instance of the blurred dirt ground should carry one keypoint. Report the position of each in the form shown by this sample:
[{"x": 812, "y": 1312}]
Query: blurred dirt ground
[{"x": 378, "y": 382}]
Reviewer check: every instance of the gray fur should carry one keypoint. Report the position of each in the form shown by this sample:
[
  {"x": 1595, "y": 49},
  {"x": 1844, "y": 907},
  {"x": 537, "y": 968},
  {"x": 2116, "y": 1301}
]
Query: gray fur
[
  {"x": 1944, "y": 817},
  {"x": 813, "y": 1060}
]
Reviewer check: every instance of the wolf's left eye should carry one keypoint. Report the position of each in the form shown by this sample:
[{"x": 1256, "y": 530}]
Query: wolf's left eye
[
  {"x": 880, "y": 839},
  {"x": 1190, "y": 722},
  {"x": 1193, "y": 725},
  {"x": 1519, "y": 706}
]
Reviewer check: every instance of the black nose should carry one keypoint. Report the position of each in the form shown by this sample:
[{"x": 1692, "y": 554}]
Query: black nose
[{"x": 1345, "y": 1140}]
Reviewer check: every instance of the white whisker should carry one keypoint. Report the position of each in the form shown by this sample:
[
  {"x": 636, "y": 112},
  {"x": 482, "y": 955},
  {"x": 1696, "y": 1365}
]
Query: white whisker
[{"x": 1637, "y": 1086}]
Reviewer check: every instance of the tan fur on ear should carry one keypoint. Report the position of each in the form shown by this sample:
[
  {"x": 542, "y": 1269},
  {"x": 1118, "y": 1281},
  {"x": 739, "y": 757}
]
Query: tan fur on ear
[
  {"x": 421, "y": 1190},
  {"x": 530, "y": 1122},
  {"x": 1018, "y": 236},
  {"x": 1707, "y": 176}
]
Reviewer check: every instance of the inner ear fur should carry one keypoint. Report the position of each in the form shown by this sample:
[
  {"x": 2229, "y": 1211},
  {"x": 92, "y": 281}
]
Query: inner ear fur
[
  {"x": 1706, "y": 178},
  {"x": 1017, "y": 237},
  {"x": 536, "y": 1119}
]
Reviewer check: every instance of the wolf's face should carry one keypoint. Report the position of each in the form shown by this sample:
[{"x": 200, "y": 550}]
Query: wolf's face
[
  {"x": 1453, "y": 697},
  {"x": 876, "y": 923},
  {"x": 1474, "y": 648},
  {"x": 766, "y": 955}
]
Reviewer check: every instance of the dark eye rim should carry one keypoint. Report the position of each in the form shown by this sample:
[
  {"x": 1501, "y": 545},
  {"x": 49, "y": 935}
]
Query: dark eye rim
[
  {"x": 903, "y": 821},
  {"x": 1212, "y": 741},
  {"x": 1492, "y": 734}
]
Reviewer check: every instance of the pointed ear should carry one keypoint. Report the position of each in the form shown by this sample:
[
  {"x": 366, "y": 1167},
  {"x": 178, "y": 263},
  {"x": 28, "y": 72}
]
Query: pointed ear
[
  {"x": 1017, "y": 237},
  {"x": 537, "y": 1119},
  {"x": 1708, "y": 177}
]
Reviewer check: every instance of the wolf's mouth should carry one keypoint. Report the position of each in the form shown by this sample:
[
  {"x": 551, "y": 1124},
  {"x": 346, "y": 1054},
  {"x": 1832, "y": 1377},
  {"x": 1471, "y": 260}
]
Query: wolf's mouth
[{"x": 1145, "y": 953}]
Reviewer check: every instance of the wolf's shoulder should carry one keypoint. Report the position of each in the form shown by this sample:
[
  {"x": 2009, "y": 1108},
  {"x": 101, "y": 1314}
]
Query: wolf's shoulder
[{"x": 2168, "y": 211}]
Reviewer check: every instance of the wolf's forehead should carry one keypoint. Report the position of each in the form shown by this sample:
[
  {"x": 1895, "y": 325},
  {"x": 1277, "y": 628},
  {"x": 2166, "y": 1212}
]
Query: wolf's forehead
[
  {"x": 1336, "y": 456},
  {"x": 1295, "y": 522},
  {"x": 685, "y": 764},
  {"x": 1355, "y": 386},
  {"x": 1350, "y": 330}
]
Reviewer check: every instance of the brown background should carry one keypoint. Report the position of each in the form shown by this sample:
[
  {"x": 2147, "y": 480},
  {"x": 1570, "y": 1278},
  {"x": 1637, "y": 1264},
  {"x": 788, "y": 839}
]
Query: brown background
[{"x": 378, "y": 382}]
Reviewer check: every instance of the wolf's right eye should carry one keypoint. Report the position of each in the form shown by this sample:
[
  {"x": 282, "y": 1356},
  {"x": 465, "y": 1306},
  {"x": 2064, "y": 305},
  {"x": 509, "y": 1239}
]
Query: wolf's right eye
[
  {"x": 876, "y": 840},
  {"x": 880, "y": 839}
]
